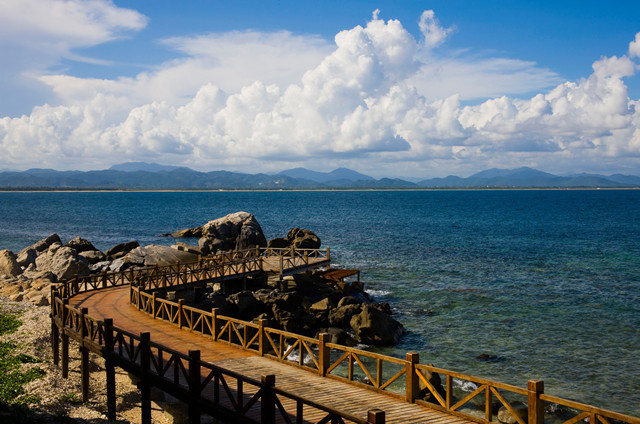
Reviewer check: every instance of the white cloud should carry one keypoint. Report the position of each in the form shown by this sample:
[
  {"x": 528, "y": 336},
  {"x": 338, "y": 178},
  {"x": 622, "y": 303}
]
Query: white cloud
[
  {"x": 36, "y": 34},
  {"x": 433, "y": 33},
  {"x": 634, "y": 46},
  {"x": 375, "y": 97},
  {"x": 230, "y": 61}
]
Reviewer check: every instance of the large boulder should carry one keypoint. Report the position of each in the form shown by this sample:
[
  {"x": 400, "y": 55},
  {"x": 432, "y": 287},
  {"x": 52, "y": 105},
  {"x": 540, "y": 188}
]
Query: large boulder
[
  {"x": 436, "y": 382},
  {"x": 29, "y": 254},
  {"x": 80, "y": 245},
  {"x": 373, "y": 326},
  {"x": 521, "y": 410},
  {"x": 301, "y": 238},
  {"x": 8, "y": 263},
  {"x": 158, "y": 255},
  {"x": 341, "y": 316},
  {"x": 119, "y": 250},
  {"x": 93, "y": 256},
  {"x": 239, "y": 230},
  {"x": 62, "y": 261},
  {"x": 246, "y": 305}
]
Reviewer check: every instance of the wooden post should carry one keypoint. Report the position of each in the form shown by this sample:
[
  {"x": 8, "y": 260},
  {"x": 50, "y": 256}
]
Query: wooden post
[
  {"x": 110, "y": 369},
  {"x": 55, "y": 333},
  {"x": 84, "y": 352},
  {"x": 267, "y": 400},
  {"x": 143, "y": 385},
  {"x": 262, "y": 340},
  {"x": 153, "y": 305},
  {"x": 180, "y": 302},
  {"x": 535, "y": 404},
  {"x": 375, "y": 416},
  {"x": 214, "y": 324},
  {"x": 449, "y": 392},
  {"x": 65, "y": 340},
  {"x": 413, "y": 387},
  {"x": 488, "y": 407},
  {"x": 194, "y": 386},
  {"x": 324, "y": 353}
]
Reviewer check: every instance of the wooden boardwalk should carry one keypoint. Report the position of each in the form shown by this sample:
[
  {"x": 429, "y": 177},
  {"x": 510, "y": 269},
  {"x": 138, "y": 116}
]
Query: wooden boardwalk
[{"x": 354, "y": 400}]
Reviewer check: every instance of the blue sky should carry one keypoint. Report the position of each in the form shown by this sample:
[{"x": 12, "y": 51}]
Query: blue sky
[{"x": 402, "y": 88}]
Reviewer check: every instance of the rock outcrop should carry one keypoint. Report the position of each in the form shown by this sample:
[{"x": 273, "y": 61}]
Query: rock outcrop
[
  {"x": 239, "y": 230},
  {"x": 80, "y": 245},
  {"x": 373, "y": 326},
  {"x": 8, "y": 264},
  {"x": 521, "y": 410},
  {"x": 158, "y": 255},
  {"x": 299, "y": 238},
  {"x": 119, "y": 250},
  {"x": 64, "y": 262},
  {"x": 29, "y": 254}
]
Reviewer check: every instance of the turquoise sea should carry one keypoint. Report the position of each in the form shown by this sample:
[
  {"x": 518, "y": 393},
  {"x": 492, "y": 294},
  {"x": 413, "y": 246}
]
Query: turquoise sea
[{"x": 547, "y": 281}]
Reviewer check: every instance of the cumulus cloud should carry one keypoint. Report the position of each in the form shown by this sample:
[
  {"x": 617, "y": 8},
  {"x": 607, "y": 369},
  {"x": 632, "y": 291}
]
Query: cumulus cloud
[
  {"x": 634, "y": 46},
  {"x": 367, "y": 99},
  {"x": 434, "y": 34}
]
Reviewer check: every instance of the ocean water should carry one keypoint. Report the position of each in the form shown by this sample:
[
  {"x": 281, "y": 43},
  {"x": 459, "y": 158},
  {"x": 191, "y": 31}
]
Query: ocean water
[{"x": 546, "y": 281}]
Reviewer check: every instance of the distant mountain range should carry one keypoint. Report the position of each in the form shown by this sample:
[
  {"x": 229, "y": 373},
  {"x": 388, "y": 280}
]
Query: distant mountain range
[{"x": 140, "y": 175}]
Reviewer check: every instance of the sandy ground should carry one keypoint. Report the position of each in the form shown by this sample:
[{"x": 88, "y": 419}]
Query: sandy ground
[{"x": 61, "y": 399}]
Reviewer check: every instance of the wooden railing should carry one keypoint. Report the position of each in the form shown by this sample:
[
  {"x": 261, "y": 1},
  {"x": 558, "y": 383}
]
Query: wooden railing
[
  {"x": 292, "y": 258},
  {"x": 395, "y": 376},
  {"x": 203, "y": 386}
]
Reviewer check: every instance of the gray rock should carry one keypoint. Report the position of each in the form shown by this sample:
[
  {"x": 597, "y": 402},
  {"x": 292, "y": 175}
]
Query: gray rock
[
  {"x": 26, "y": 257},
  {"x": 119, "y": 250},
  {"x": 93, "y": 256},
  {"x": 188, "y": 233},
  {"x": 239, "y": 230},
  {"x": 80, "y": 245},
  {"x": 62, "y": 261},
  {"x": 375, "y": 327},
  {"x": 435, "y": 380},
  {"x": 8, "y": 263},
  {"x": 29, "y": 254},
  {"x": 349, "y": 300},
  {"x": 279, "y": 243},
  {"x": 301, "y": 238},
  {"x": 521, "y": 410},
  {"x": 246, "y": 304},
  {"x": 323, "y": 305},
  {"x": 341, "y": 316},
  {"x": 158, "y": 255}
]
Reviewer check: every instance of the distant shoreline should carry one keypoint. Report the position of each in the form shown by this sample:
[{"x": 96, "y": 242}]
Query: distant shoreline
[{"x": 246, "y": 190}]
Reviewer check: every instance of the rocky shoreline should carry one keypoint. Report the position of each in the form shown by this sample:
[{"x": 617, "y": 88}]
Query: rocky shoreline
[{"x": 307, "y": 303}]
